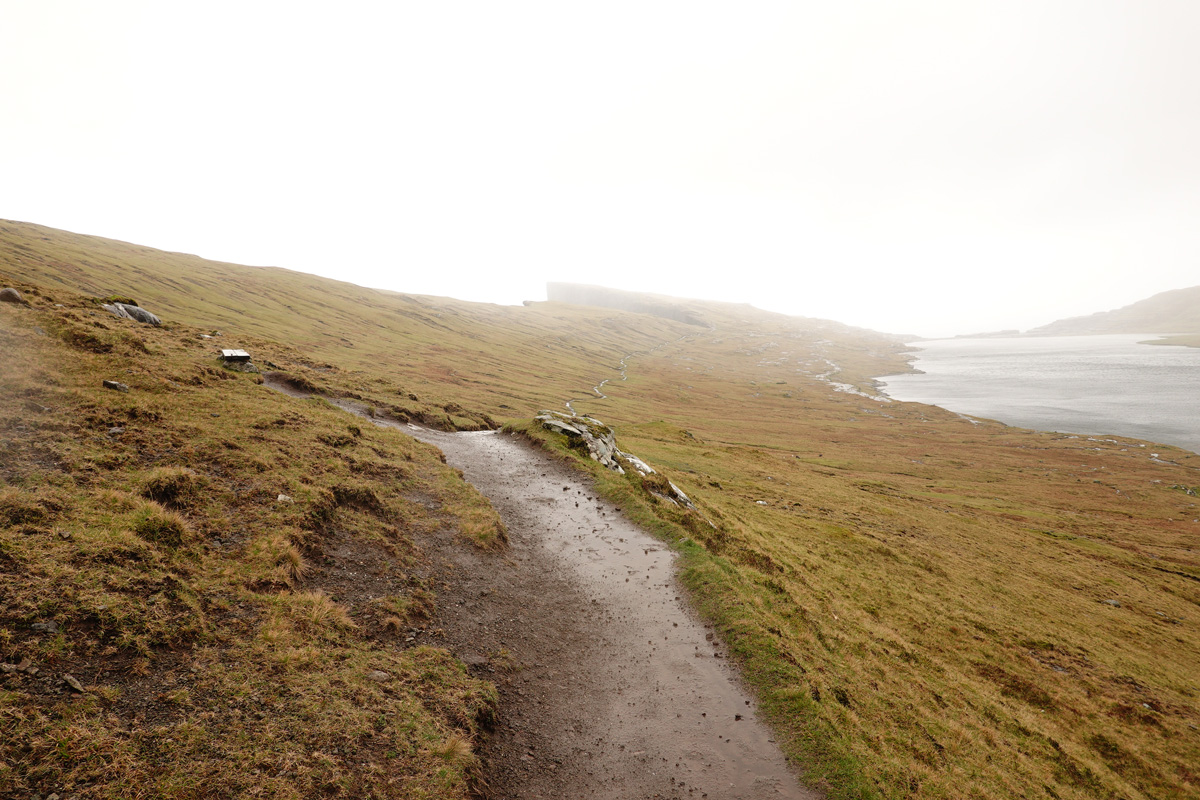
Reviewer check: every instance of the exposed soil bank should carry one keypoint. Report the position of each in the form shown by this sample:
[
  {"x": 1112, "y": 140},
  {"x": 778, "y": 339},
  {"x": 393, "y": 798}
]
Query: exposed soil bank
[
  {"x": 619, "y": 692},
  {"x": 609, "y": 687}
]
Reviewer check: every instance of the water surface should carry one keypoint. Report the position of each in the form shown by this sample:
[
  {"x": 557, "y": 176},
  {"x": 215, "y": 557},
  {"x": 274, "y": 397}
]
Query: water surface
[{"x": 1092, "y": 385}]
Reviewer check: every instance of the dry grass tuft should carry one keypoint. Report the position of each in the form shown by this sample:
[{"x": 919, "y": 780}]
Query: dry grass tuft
[
  {"x": 177, "y": 487},
  {"x": 316, "y": 611},
  {"x": 456, "y": 750},
  {"x": 161, "y": 526},
  {"x": 278, "y": 561},
  {"x": 117, "y": 501},
  {"x": 19, "y": 507}
]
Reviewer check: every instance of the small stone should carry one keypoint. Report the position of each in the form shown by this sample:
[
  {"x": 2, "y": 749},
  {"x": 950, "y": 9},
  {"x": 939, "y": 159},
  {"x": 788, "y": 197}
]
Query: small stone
[
  {"x": 8, "y": 669},
  {"x": 1112, "y": 603},
  {"x": 283, "y": 498},
  {"x": 45, "y": 627},
  {"x": 378, "y": 676},
  {"x": 116, "y": 386},
  {"x": 70, "y": 680},
  {"x": 117, "y": 431}
]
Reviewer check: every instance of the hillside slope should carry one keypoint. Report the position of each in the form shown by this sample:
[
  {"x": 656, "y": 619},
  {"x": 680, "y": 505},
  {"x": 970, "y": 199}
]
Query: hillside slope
[
  {"x": 922, "y": 602},
  {"x": 494, "y": 359},
  {"x": 201, "y": 580},
  {"x": 1176, "y": 311}
]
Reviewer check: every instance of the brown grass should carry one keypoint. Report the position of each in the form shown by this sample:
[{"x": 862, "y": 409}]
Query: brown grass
[
  {"x": 217, "y": 662},
  {"x": 919, "y": 601}
]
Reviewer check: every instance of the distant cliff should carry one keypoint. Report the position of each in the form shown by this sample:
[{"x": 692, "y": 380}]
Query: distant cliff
[
  {"x": 1176, "y": 311},
  {"x": 637, "y": 302}
]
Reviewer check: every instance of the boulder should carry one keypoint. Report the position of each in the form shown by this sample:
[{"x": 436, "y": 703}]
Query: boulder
[
  {"x": 681, "y": 497},
  {"x": 138, "y": 313},
  {"x": 241, "y": 366},
  {"x": 11, "y": 295},
  {"x": 116, "y": 309},
  {"x": 130, "y": 311}
]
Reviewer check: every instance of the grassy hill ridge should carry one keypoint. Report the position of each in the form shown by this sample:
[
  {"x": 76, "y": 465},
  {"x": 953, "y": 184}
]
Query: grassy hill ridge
[
  {"x": 1176, "y": 311},
  {"x": 927, "y": 606}
]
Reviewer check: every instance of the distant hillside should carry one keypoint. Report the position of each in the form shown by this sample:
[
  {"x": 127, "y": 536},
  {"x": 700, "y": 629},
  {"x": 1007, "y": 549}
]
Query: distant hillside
[
  {"x": 1177, "y": 311},
  {"x": 694, "y": 312},
  {"x": 638, "y": 302}
]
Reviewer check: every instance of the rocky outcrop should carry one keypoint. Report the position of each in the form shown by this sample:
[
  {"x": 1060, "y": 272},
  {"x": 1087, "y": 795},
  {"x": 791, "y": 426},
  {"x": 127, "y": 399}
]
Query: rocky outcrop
[
  {"x": 601, "y": 444},
  {"x": 129, "y": 311}
]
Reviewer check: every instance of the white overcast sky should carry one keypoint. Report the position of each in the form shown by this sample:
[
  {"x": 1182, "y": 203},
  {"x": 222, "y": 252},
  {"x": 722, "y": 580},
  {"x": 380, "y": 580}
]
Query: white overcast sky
[{"x": 918, "y": 167}]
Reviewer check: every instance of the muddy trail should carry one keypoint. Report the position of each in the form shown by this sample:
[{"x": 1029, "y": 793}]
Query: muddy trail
[{"x": 609, "y": 686}]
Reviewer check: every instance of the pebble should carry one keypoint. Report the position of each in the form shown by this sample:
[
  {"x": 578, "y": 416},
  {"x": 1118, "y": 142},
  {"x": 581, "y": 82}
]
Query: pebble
[
  {"x": 45, "y": 627},
  {"x": 379, "y": 676},
  {"x": 70, "y": 680},
  {"x": 116, "y": 386}
]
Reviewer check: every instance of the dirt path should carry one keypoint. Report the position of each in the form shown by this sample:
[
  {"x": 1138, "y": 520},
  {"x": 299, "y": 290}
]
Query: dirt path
[
  {"x": 609, "y": 687},
  {"x": 618, "y": 692}
]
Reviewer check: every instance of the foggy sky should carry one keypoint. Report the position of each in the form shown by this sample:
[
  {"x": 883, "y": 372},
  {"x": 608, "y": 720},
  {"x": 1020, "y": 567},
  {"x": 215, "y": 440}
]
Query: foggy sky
[{"x": 923, "y": 167}]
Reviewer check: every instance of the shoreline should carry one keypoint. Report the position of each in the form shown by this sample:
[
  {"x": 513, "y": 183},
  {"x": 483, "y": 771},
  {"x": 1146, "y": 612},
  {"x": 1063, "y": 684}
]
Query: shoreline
[{"x": 1060, "y": 392}]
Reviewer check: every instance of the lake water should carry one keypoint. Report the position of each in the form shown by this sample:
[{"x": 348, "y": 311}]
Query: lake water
[{"x": 1079, "y": 384}]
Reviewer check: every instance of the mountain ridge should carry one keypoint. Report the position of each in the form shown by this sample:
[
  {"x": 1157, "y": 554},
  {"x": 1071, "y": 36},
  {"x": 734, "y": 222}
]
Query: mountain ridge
[{"x": 1176, "y": 311}]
